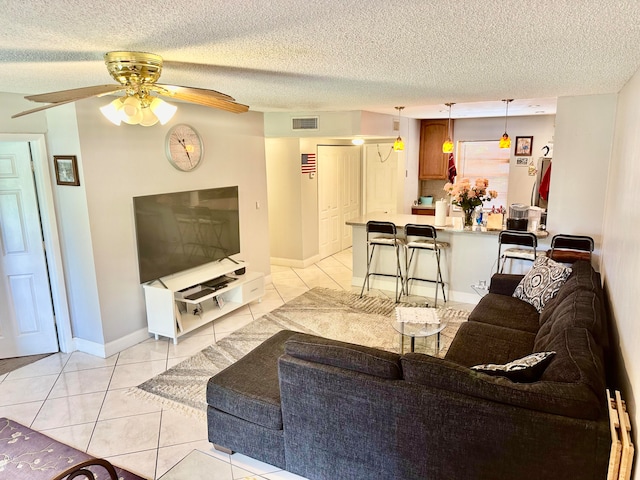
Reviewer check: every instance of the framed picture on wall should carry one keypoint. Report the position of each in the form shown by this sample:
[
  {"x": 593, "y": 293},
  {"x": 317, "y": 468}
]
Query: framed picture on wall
[
  {"x": 524, "y": 146},
  {"x": 66, "y": 170}
]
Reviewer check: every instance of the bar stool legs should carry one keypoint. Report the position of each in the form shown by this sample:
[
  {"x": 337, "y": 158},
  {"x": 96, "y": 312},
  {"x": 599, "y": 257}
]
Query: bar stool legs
[
  {"x": 383, "y": 234},
  {"x": 424, "y": 238}
]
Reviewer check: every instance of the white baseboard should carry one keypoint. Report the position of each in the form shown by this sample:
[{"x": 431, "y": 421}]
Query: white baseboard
[
  {"x": 290, "y": 262},
  {"x": 111, "y": 348}
]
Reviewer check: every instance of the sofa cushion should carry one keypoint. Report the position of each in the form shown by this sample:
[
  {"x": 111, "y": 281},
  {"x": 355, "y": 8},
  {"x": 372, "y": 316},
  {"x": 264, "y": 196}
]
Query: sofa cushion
[
  {"x": 524, "y": 370},
  {"x": 249, "y": 388},
  {"x": 477, "y": 343},
  {"x": 574, "y": 399},
  {"x": 542, "y": 282},
  {"x": 506, "y": 311},
  {"x": 580, "y": 309},
  {"x": 359, "y": 358},
  {"x": 578, "y": 360}
]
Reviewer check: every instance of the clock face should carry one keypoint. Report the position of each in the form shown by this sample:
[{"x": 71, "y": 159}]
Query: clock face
[{"x": 184, "y": 148}]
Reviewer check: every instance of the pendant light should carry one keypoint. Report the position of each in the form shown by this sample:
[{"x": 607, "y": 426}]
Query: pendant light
[
  {"x": 447, "y": 146},
  {"x": 505, "y": 141},
  {"x": 398, "y": 145}
]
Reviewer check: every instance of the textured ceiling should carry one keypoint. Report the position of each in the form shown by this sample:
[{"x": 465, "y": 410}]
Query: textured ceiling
[{"x": 281, "y": 55}]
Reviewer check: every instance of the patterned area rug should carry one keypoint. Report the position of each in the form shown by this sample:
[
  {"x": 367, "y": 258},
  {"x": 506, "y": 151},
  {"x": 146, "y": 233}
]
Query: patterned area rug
[{"x": 329, "y": 313}]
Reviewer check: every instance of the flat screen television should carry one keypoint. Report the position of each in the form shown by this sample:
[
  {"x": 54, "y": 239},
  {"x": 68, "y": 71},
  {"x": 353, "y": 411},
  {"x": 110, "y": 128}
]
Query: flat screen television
[{"x": 181, "y": 230}]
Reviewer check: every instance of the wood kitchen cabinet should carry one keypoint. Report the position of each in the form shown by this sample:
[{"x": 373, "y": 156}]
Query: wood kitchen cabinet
[{"x": 433, "y": 164}]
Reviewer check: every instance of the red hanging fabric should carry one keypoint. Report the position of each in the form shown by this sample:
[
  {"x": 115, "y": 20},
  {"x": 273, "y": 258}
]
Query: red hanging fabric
[
  {"x": 452, "y": 169},
  {"x": 544, "y": 184}
]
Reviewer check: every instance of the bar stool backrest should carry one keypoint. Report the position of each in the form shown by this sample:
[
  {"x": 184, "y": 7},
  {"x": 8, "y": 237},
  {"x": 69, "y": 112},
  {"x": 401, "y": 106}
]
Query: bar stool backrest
[
  {"x": 572, "y": 242},
  {"x": 525, "y": 239},
  {"x": 386, "y": 228},
  {"x": 413, "y": 230}
]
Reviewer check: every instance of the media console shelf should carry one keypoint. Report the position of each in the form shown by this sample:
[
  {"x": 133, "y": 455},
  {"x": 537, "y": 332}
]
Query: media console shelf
[{"x": 171, "y": 314}]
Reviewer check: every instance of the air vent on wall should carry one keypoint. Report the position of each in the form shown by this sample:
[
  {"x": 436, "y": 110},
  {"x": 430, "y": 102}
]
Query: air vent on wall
[{"x": 304, "y": 123}]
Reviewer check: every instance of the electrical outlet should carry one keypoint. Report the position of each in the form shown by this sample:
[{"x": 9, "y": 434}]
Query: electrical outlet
[
  {"x": 396, "y": 125},
  {"x": 257, "y": 205}
]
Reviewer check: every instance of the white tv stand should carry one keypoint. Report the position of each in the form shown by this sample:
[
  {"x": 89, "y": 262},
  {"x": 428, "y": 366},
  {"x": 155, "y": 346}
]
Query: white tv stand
[{"x": 170, "y": 314}]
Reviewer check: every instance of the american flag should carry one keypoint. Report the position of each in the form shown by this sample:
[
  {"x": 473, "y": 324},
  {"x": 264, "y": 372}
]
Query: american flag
[{"x": 308, "y": 162}]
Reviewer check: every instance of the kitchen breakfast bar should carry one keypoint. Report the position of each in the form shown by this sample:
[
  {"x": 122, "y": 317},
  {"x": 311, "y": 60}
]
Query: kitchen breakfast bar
[{"x": 470, "y": 258}]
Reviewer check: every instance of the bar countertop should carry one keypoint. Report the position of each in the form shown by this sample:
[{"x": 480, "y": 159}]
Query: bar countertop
[{"x": 402, "y": 219}]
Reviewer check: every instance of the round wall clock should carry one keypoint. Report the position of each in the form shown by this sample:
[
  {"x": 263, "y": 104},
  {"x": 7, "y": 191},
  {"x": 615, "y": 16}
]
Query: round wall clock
[{"x": 184, "y": 147}]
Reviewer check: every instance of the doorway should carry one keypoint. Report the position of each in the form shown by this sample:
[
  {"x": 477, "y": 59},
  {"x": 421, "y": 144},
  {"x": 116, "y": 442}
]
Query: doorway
[
  {"x": 31, "y": 279},
  {"x": 339, "y": 194}
]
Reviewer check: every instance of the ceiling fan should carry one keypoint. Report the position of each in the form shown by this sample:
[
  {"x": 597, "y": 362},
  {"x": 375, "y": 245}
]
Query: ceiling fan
[{"x": 137, "y": 74}]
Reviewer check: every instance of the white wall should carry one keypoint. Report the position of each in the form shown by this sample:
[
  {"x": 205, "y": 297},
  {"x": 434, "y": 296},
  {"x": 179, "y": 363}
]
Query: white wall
[
  {"x": 75, "y": 229},
  {"x": 620, "y": 262},
  {"x": 284, "y": 191},
  {"x": 119, "y": 163},
  {"x": 584, "y": 136},
  {"x": 540, "y": 127}
]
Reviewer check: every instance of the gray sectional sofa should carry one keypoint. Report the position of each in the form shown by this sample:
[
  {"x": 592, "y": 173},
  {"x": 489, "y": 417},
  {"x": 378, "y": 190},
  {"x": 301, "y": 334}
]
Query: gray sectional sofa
[{"x": 325, "y": 409}]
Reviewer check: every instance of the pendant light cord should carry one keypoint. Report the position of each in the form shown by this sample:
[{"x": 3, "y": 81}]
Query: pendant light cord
[{"x": 380, "y": 155}]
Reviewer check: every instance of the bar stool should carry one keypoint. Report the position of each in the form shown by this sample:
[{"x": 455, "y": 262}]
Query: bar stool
[
  {"x": 522, "y": 239},
  {"x": 383, "y": 234},
  {"x": 570, "y": 248},
  {"x": 423, "y": 238}
]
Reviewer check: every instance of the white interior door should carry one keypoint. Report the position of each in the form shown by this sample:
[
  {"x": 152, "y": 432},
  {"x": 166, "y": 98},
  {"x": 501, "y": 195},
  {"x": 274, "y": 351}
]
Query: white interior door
[
  {"x": 350, "y": 192},
  {"x": 339, "y": 182},
  {"x": 27, "y": 324},
  {"x": 382, "y": 179}
]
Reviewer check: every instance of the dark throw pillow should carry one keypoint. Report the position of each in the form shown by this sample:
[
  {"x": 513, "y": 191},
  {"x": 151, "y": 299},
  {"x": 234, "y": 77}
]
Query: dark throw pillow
[
  {"x": 523, "y": 370},
  {"x": 542, "y": 282}
]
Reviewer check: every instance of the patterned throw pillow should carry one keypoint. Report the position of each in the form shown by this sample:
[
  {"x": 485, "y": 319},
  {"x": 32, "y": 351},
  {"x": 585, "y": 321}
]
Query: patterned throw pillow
[
  {"x": 524, "y": 370},
  {"x": 542, "y": 282}
]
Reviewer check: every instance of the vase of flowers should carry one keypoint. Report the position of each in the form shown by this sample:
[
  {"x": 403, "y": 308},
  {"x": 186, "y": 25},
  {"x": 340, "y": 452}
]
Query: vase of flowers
[{"x": 468, "y": 196}]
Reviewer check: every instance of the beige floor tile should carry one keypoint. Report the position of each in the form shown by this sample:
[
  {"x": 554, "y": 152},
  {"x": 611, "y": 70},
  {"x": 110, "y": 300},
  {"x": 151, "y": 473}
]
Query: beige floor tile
[
  {"x": 82, "y": 381},
  {"x": 252, "y": 465},
  {"x": 190, "y": 346},
  {"x": 23, "y": 413},
  {"x": 65, "y": 411},
  {"x": 120, "y": 436},
  {"x": 51, "y": 365},
  {"x": 144, "y": 352},
  {"x": 200, "y": 465},
  {"x": 140, "y": 463},
  {"x": 84, "y": 361},
  {"x": 26, "y": 389},
  {"x": 282, "y": 475},
  {"x": 170, "y": 456},
  {"x": 120, "y": 403},
  {"x": 178, "y": 428},
  {"x": 133, "y": 374},
  {"x": 76, "y": 436}
]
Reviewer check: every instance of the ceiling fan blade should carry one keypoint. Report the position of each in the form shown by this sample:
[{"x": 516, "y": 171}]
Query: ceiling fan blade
[
  {"x": 39, "y": 109},
  {"x": 208, "y": 98},
  {"x": 196, "y": 91},
  {"x": 75, "y": 94}
]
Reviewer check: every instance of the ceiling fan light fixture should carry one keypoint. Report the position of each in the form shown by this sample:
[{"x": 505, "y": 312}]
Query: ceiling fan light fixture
[
  {"x": 112, "y": 111},
  {"x": 132, "y": 110},
  {"x": 163, "y": 110},
  {"x": 148, "y": 118}
]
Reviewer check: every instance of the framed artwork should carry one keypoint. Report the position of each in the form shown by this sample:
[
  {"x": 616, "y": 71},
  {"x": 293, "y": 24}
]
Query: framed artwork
[
  {"x": 66, "y": 170},
  {"x": 524, "y": 146}
]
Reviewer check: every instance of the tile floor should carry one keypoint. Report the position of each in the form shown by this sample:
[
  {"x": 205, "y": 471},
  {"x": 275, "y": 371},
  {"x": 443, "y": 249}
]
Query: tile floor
[{"x": 81, "y": 400}]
